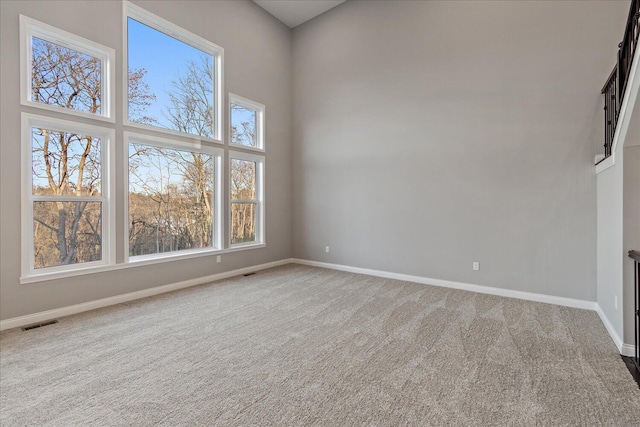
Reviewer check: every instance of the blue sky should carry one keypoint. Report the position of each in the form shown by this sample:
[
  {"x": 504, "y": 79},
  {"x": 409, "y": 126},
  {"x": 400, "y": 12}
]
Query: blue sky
[{"x": 164, "y": 58}]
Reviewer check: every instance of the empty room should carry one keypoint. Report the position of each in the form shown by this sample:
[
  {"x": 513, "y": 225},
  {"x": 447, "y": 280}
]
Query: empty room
[{"x": 322, "y": 213}]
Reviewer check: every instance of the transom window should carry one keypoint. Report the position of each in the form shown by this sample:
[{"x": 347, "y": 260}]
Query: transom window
[
  {"x": 65, "y": 72},
  {"x": 173, "y": 77},
  {"x": 246, "y": 122}
]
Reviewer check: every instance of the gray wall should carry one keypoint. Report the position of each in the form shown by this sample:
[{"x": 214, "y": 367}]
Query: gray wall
[
  {"x": 257, "y": 66},
  {"x": 428, "y": 135}
]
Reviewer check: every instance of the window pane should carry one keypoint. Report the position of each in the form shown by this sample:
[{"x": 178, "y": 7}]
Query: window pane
[
  {"x": 243, "y": 126},
  {"x": 170, "y": 200},
  {"x": 243, "y": 222},
  {"x": 65, "y": 164},
  {"x": 243, "y": 180},
  {"x": 170, "y": 82},
  {"x": 65, "y": 77},
  {"x": 66, "y": 233}
]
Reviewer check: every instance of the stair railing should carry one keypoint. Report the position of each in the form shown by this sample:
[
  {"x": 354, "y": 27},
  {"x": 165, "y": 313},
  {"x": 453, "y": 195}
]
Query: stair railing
[{"x": 615, "y": 86}]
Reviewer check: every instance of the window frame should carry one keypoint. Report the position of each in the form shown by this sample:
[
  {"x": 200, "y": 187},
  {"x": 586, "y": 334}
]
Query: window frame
[
  {"x": 260, "y": 121},
  {"x": 107, "y": 183},
  {"x": 218, "y": 173},
  {"x": 172, "y": 30},
  {"x": 259, "y": 200},
  {"x": 30, "y": 28}
]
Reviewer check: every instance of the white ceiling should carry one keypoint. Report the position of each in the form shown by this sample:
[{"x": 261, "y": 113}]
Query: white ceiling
[{"x": 295, "y": 12}]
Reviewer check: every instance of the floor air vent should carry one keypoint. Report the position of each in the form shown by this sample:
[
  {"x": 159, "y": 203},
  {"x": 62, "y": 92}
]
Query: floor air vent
[
  {"x": 248, "y": 274},
  {"x": 39, "y": 325}
]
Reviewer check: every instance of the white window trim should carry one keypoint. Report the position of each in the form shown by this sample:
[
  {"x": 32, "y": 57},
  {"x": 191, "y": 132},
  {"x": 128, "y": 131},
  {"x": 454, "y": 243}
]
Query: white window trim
[
  {"x": 147, "y": 18},
  {"x": 260, "y": 121},
  {"x": 30, "y": 28},
  {"x": 260, "y": 205},
  {"x": 107, "y": 148},
  {"x": 133, "y": 264},
  {"x": 137, "y": 138}
]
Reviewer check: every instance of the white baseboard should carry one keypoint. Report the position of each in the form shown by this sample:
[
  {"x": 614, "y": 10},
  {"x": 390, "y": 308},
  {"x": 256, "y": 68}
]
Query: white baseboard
[
  {"x": 628, "y": 350},
  {"x": 509, "y": 293},
  {"x": 43, "y": 316},
  {"x": 16, "y": 322},
  {"x": 624, "y": 349}
]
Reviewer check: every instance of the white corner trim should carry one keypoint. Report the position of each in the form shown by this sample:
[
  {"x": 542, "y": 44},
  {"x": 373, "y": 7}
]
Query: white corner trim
[
  {"x": 509, "y": 293},
  {"x": 617, "y": 340},
  {"x": 606, "y": 163},
  {"x": 42, "y": 316}
]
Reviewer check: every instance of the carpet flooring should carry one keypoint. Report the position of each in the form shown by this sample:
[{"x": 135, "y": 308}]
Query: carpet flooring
[{"x": 297, "y": 345}]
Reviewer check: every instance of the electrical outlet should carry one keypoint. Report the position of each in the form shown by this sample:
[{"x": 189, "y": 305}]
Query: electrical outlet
[
  {"x": 615, "y": 301},
  {"x": 219, "y": 258},
  {"x": 476, "y": 266},
  {"x": 326, "y": 249}
]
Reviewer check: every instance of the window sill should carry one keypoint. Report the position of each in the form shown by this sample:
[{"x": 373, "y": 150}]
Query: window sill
[
  {"x": 168, "y": 133},
  {"x": 147, "y": 260},
  {"x": 606, "y": 163},
  {"x": 246, "y": 147},
  {"x": 69, "y": 113}
]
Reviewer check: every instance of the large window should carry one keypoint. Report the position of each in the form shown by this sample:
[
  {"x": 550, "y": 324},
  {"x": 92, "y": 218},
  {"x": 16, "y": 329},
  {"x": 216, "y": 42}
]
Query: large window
[
  {"x": 174, "y": 77},
  {"x": 171, "y": 147},
  {"x": 68, "y": 212},
  {"x": 246, "y": 206},
  {"x": 174, "y": 196},
  {"x": 65, "y": 72}
]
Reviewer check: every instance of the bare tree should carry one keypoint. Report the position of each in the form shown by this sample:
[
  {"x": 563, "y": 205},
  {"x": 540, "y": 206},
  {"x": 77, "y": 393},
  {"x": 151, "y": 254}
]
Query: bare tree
[
  {"x": 191, "y": 111},
  {"x": 65, "y": 77},
  {"x": 67, "y": 164},
  {"x": 191, "y": 99},
  {"x": 189, "y": 219},
  {"x": 168, "y": 212},
  {"x": 243, "y": 185},
  {"x": 170, "y": 200},
  {"x": 139, "y": 97},
  {"x": 243, "y": 132}
]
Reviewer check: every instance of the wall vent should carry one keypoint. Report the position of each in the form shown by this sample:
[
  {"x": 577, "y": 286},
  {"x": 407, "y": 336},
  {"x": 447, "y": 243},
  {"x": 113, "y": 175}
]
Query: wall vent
[{"x": 39, "y": 325}]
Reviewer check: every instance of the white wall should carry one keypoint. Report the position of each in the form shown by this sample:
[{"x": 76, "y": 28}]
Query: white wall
[
  {"x": 631, "y": 218},
  {"x": 428, "y": 135},
  {"x": 257, "y": 66},
  {"x": 610, "y": 252}
]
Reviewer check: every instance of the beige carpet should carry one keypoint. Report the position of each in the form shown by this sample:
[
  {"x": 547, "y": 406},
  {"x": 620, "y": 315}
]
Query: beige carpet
[{"x": 297, "y": 345}]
